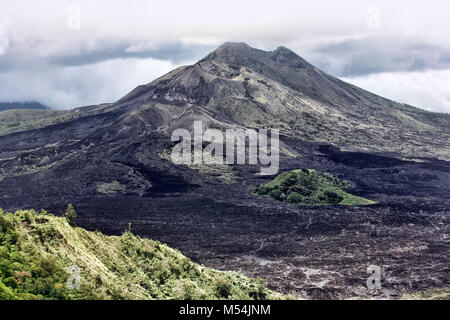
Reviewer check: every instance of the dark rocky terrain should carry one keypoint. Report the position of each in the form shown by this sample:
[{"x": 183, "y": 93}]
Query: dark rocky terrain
[{"x": 111, "y": 162}]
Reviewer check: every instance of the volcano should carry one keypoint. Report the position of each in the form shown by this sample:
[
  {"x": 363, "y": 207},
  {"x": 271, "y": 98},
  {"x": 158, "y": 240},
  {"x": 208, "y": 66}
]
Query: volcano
[{"x": 112, "y": 163}]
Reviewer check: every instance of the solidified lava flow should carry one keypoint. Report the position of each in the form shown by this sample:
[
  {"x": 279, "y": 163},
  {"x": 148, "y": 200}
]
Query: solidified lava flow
[{"x": 112, "y": 162}]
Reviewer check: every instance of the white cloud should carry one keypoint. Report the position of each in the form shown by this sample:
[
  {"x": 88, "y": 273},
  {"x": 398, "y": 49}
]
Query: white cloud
[
  {"x": 68, "y": 87},
  {"x": 37, "y": 47},
  {"x": 428, "y": 90}
]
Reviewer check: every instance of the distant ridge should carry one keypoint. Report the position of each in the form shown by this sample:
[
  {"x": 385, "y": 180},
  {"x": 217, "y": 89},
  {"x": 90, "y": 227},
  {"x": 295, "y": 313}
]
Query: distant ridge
[
  {"x": 244, "y": 86},
  {"x": 23, "y": 105}
]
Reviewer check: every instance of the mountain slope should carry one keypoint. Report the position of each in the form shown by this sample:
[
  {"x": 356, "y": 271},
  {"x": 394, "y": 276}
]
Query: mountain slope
[
  {"x": 22, "y": 105},
  {"x": 240, "y": 85},
  {"x": 237, "y": 85},
  {"x": 37, "y": 249}
]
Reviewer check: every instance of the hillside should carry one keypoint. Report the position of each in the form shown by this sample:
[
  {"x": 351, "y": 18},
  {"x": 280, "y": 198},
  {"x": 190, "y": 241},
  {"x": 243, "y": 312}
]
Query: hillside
[
  {"x": 244, "y": 86},
  {"x": 434, "y": 294},
  {"x": 37, "y": 248},
  {"x": 22, "y": 105}
]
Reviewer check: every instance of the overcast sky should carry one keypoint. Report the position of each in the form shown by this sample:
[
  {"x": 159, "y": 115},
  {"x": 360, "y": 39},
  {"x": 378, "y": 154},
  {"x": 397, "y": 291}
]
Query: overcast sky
[{"x": 73, "y": 53}]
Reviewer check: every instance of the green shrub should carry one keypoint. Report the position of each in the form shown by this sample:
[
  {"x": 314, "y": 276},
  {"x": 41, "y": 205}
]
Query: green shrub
[
  {"x": 262, "y": 190},
  {"x": 70, "y": 215},
  {"x": 30, "y": 216},
  {"x": 310, "y": 187},
  {"x": 223, "y": 288},
  {"x": 277, "y": 194},
  {"x": 290, "y": 180},
  {"x": 34, "y": 258},
  {"x": 46, "y": 233},
  {"x": 5, "y": 292},
  {"x": 259, "y": 293},
  {"x": 185, "y": 290},
  {"x": 294, "y": 197}
]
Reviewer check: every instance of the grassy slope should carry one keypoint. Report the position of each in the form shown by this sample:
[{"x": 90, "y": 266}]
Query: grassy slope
[
  {"x": 37, "y": 248},
  {"x": 305, "y": 186},
  {"x": 19, "y": 120},
  {"x": 432, "y": 294}
]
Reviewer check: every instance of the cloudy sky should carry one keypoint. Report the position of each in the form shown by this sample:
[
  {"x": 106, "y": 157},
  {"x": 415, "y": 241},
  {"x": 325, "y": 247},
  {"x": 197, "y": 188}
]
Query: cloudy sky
[{"x": 74, "y": 53}]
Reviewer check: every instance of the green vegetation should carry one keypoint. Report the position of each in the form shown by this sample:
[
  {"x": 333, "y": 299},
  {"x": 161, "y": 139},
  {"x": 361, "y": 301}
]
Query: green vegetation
[
  {"x": 22, "y": 105},
  {"x": 310, "y": 187},
  {"x": 39, "y": 251},
  {"x": 70, "y": 215},
  {"x": 436, "y": 117},
  {"x": 432, "y": 294}
]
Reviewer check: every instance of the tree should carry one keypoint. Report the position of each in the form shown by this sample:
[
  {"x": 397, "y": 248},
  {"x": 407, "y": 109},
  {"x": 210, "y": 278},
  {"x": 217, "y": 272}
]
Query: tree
[
  {"x": 70, "y": 214},
  {"x": 294, "y": 197}
]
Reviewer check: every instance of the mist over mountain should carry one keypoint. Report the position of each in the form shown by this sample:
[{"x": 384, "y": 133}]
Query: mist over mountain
[{"x": 112, "y": 162}]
